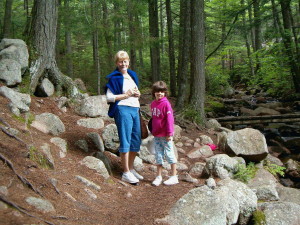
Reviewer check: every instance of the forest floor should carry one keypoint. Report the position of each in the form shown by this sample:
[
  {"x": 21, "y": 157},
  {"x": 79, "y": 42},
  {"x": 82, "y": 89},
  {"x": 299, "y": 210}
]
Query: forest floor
[{"x": 116, "y": 202}]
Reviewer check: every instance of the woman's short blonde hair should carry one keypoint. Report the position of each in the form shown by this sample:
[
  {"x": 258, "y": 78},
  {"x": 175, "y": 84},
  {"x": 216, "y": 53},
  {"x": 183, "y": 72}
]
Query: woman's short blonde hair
[{"x": 121, "y": 55}]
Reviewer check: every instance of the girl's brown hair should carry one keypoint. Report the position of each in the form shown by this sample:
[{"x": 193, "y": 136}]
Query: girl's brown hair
[{"x": 159, "y": 86}]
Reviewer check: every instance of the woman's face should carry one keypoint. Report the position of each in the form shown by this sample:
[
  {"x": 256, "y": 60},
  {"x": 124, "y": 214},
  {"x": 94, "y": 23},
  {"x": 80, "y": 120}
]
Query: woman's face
[
  {"x": 159, "y": 95},
  {"x": 123, "y": 65}
]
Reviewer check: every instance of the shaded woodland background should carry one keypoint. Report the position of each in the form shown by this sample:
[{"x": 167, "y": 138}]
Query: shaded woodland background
[{"x": 201, "y": 48}]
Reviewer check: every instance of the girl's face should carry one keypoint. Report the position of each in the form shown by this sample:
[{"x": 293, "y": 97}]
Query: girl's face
[
  {"x": 159, "y": 95},
  {"x": 123, "y": 65}
]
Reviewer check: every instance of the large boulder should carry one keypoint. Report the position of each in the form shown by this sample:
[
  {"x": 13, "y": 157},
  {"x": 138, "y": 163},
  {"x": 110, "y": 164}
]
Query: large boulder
[
  {"x": 280, "y": 213},
  {"x": 15, "y": 49},
  {"x": 18, "y": 102},
  {"x": 48, "y": 123},
  {"x": 247, "y": 143},
  {"x": 231, "y": 202},
  {"x": 92, "y": 106}
]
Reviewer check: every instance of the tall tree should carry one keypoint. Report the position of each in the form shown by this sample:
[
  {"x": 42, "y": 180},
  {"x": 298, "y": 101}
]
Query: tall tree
[
  {"x": 293, "y": 55},
  {"x": 132, "y": 33},
  {"x": 197, "y": 98},
  {"x": 172, "y": 68},
  {"x": 95, "y": 34},
  {"x": 184, "y": 52},
  {"x": 68, "y": 43},
  {"x": 154, "y": 37},
  {"x": 257, "y": 30},
  {"x": 7, "y": 19},
  {"x": 42, "y": 40}
]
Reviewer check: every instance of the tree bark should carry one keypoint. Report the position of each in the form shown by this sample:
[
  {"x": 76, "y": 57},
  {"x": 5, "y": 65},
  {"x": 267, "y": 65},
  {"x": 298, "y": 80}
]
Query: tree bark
[
  {"x": 154, "y": 36},
  {"x": 68, "y": 37},
  {"x": 294, "y": 59},
  {"x": 198, "y": 57},
  {"x": 7, "y": 19},
  {"x": 42, "y": 40},
  {"x": 95, "y": 33},
  {"x": 173, "y": 86},
  {"x": 184, "y": 53}
]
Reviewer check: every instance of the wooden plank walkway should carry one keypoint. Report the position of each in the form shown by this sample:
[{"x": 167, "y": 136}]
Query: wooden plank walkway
[{"x": 245, "y": 120}]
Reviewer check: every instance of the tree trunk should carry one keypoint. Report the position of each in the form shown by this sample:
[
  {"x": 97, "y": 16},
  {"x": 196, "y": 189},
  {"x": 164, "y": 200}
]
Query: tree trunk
[
  {"x": 117, "y": 27},
  {"x": 69, "y": 66},
  {"x": 96, "y": 60},
  {"x": 184, "y": 53},
  {"x": 173, "y": 86},
  {"x": 154, "y": 36},
  {"x": 7, "y": 19},
  {"x": 106, "y": 31},
  {"x": 132, "y": 33},
  {"x": 42, "y": 40},
  {"x": 198, "y": 57},
  {"x": 287, "y": 40},
  {"x": 246, "y": 37},
  {"x": 257, "y": 30}
]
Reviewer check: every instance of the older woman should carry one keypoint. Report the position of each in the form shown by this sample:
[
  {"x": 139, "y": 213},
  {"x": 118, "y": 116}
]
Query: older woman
[{"x": 123, "y": 96}]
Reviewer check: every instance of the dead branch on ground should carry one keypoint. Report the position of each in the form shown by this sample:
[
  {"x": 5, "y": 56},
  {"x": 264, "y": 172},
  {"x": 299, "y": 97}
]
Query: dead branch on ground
[
  {"x": 23, "y": 179},
  {"x": 21, "y": 209}
]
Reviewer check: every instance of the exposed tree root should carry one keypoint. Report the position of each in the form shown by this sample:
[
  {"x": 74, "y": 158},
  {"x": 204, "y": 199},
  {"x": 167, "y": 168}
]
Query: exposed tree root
[
  {"x": 23, "y": 179},
  {"x": 21, "y": 209}
]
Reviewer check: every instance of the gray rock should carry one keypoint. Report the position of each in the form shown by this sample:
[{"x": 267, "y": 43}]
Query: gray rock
[
  {"x": 95, "y": 123},
  {"x": 111, "y": 138},
  {"x": 97, "y": 140},
  {"x": 281, "y": 213},
  {"x": 95, "y": 164},
  {"x": 221, "y": 166},
  {"x": 93, "y": 106},
  {"x": 17, "y": 100},
  {"x": 40, "y": 204},
  {"x": 247, "y": 143},
  {"x": 10, "y": 72},
  {"x": 48, "y": 123},
  {"x": 61, "y": 144},
  {"x": 45, "y": 89}
]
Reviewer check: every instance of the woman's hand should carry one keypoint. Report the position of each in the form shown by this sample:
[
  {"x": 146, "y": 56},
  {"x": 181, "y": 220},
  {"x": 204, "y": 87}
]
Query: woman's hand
[{"x": 136, "y": 93}]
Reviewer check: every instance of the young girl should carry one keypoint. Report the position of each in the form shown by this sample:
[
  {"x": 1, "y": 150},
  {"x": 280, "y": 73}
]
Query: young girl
[{"x": 163, "y": 131}]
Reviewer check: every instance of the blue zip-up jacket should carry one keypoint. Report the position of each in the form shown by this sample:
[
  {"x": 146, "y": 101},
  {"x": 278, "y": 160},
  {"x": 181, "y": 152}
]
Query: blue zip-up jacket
[{"x": 115, "y": 84}]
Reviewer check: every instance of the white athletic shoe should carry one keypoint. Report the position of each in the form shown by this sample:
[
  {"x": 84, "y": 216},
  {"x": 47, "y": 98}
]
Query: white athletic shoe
[
  {"x": 172, "y": 180},
  {"x": 138, "y": 176},
  {"x": 157, "y": 181},
  {"x": 130, "y": 178}
]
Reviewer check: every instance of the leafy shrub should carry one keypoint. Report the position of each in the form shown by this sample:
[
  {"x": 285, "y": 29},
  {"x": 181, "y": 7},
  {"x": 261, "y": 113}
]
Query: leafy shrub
[
  {"x": 245, "y": 173},
  {"x": 273, "y": 168}
]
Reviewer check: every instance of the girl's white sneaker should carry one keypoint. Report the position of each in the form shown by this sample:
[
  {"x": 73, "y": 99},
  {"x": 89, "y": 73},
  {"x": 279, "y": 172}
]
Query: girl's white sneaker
[
  {"x": 172, "y": 180},
  {"x": 157, "y": 181}
]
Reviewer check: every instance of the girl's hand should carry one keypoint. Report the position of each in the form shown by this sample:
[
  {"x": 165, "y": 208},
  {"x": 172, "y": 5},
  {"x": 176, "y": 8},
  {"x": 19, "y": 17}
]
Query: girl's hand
[{"x": 169, "y": 138}]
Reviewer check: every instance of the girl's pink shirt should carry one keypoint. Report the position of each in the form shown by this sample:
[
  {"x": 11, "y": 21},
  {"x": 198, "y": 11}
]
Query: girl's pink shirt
[{"x": 162, "y": 118}]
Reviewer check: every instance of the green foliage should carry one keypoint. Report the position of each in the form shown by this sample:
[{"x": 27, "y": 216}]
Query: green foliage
[
  {"x": 27, "y": 120},
  {"x": 258, "y": 218},
  {"x": 274, "y": 73},
  {"x": 24, "y": 87},
  {"x": 38, "y": 157},
  {"x": 214, "y": 104},
  {"x": 273, "y": 168},
  {"x": 245, "y": 173},
  {"x": 190, "y": 114}
]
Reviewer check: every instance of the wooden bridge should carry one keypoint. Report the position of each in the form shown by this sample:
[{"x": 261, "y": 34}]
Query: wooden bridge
[{"x": 251, "y": 120}]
